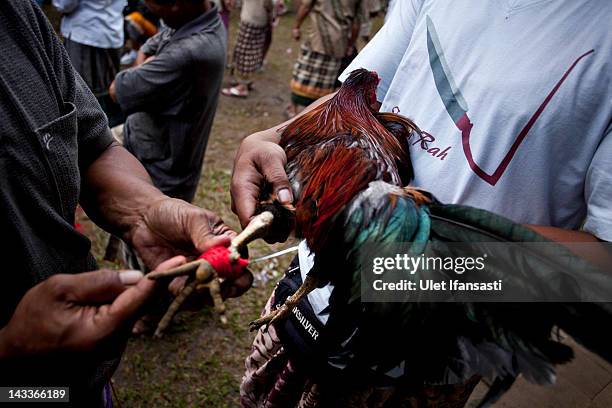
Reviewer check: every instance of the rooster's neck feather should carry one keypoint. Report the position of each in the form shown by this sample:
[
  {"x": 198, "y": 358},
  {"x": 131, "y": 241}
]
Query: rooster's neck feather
[{"x": 334, "y": 152}]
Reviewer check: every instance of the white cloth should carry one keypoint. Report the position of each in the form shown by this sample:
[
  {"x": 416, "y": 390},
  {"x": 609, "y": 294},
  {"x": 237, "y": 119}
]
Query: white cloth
[
  {"x": 97, "y": 23},
  {"x": 497, "y": 62},
  {"x": 319, "y": 297},
  {"x": 257, "y": 12},
  {"x": 390, "y": 6}
]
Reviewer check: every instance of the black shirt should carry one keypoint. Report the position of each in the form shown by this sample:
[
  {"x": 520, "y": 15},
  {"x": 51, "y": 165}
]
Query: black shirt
[{"x": 51, "y": 130}]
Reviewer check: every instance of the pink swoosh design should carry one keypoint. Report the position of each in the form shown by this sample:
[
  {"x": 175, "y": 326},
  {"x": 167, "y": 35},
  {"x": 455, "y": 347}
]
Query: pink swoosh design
[{"x": 465, "y": 126}]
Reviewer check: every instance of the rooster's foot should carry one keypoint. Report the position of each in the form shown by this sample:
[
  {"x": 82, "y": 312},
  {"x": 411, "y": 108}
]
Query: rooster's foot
[
  {"x": 270, "y": 318},
  {"x": 309, "y": 284}
]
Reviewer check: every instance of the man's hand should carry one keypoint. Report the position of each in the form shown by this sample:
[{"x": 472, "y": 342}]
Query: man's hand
[
  {"x": 171, "y": 227},
  {"x": 261, "y": 160},
  {"x": 75, "y": 313},
  {"x": 296, "y": 33},
  {"x": 118, "y": 195},
  {"x": 257, "y": 162}
]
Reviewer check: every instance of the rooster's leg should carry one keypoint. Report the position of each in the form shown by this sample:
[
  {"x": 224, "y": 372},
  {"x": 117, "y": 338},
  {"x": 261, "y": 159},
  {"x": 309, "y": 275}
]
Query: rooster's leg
[
  {"x": 310, "y": 283},
  {"x": 257, "y": 228},
  {"x": 205, "y": 278},
  {"x": 174, "y": 307},
  {"x": 214, "y": 287}
]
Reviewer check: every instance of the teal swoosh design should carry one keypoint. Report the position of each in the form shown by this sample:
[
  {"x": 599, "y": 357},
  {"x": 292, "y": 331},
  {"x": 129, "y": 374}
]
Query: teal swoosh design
[{"x": 455, "y": 104}]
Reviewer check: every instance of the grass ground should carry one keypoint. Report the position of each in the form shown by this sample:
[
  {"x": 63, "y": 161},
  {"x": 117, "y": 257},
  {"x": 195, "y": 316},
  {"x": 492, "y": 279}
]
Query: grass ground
[{"x": 199, "y": 362}]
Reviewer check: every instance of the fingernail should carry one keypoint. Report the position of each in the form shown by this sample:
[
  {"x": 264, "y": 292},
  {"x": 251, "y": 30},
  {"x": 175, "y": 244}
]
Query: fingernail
[
  {"x": 284, "y": 196},
  {"x": 130, "y": 277}
]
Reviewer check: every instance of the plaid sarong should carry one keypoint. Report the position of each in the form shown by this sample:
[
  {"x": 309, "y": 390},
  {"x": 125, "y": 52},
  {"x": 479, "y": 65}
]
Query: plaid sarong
[
  {"x": 315, "y": 74},
  {"x": 249, "y": 48}
]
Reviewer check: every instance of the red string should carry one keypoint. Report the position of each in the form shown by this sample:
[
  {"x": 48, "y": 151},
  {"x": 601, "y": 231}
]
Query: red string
[{"x": 218, "y": 258}]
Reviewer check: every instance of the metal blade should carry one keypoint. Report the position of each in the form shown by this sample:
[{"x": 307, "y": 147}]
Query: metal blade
[{"x": 275, "y": 254}]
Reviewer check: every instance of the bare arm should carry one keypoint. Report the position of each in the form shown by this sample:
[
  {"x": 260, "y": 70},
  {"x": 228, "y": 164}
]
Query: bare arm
[
  {"x": 141, "y": 58},
  {"x": 563, "y": 235},
  {"x": 302, "y": 13},
  {"x": 355, "y": 28},
  {"x": 596, "y": 252},
  {"x": 118, "y": 195},
  {"x": 117, "y": 190}
]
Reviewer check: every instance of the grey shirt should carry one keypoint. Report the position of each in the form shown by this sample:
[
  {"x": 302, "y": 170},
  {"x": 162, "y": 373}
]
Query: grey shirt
[{"x": 172, "y": 101}]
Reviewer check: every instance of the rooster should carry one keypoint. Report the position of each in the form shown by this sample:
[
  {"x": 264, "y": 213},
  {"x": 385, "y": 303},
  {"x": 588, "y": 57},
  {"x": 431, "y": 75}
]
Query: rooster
[{"x": 350, "y": 170}]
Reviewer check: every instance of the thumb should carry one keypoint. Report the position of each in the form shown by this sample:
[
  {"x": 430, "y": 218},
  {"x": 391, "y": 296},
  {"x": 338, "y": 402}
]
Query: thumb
[
  {"x": 127, "y": 305},
  {"x": 123, "y": 312},
  {"x": 207, "y": 230},
  {"x": 101, "y": 286},
  {"x": 211, "y": 241},
  {"x": 273, "y": 169}
]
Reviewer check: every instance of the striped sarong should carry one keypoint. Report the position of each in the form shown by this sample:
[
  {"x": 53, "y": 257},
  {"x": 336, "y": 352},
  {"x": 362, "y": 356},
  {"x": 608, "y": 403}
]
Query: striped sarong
[{"x": 97, "y": 66}]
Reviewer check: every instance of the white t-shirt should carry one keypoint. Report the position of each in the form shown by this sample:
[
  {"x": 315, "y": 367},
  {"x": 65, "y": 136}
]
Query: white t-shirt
[{"x": 515, "y": 98}]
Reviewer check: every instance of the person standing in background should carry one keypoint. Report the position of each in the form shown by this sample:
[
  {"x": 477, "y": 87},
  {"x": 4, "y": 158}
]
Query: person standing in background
[
  {"x": 93, "y": 37},
  {"x": 171, "y": 98},
  {"x": 335, "y": 28},
  {"x": 139, "y": 25},
  {"x": 256, "y": 18}
]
